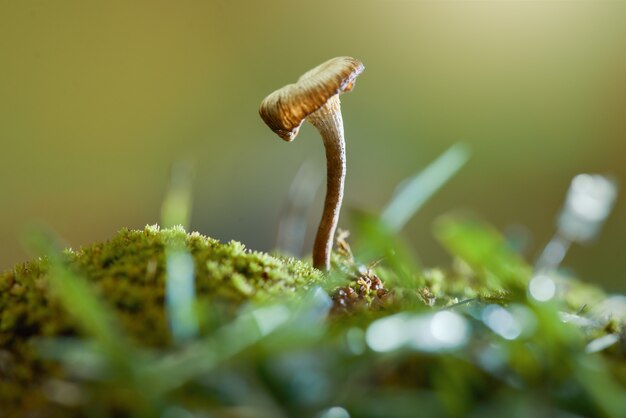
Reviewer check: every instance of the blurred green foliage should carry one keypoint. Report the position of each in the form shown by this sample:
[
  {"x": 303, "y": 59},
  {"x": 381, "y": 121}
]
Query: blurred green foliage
[{"x": 444, "y": 344}]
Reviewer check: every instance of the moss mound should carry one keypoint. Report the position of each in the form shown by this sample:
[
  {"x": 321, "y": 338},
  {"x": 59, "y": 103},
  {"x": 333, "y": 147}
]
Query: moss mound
[{"x": 128, "y": 273}]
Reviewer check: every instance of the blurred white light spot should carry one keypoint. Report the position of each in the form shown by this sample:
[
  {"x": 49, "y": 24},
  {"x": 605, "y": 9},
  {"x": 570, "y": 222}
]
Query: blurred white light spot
[
  {"x": 419, "y": 333},
  {"x": 334, "y": 412},
  {"x": 449, "y": 329},
  {"x": 525, "y": 318},
  {"x": 501, "y": 322},
  {"x": 492, "y": 357},
  {"x": 355, "y": 339},
  {"x": 577, "y": 320},
  {"x": 612, "y": 307},
  {"x": 443, "y": 330},
  {"x": 592, "y": 196},
  {"x": 601, "y": 343},
  {"x": 589, "y": 201},
  {"x": 271, "y": 317},
  {"x": 387, "y": 334},
  {"x": 542, "y": 288}
]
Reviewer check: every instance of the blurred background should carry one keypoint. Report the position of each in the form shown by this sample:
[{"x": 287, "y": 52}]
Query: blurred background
[{"x": 98, "y": 99}]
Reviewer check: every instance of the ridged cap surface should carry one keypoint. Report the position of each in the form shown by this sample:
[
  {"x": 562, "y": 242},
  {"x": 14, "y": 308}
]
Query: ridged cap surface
[{"x": 285, "y": 109}]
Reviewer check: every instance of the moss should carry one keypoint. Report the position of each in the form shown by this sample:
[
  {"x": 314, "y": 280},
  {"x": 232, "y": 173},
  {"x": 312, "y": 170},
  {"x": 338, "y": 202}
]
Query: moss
[
  {"x": 128, "y": 273},
  {"x": 547, "y": 363}
]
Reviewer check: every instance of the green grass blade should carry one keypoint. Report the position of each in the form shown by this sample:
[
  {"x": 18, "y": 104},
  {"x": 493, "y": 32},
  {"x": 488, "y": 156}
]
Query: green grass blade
[
  {"x": 90, "y": 314},
  {"x": 177, "y": 203},
  {"x": 417, "y": 189},
  {"x": 180, "y": 295}
]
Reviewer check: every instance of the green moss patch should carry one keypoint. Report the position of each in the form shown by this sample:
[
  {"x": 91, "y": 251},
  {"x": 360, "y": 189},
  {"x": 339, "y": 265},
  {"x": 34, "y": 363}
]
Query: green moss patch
[{"x": 128, "y": 273}]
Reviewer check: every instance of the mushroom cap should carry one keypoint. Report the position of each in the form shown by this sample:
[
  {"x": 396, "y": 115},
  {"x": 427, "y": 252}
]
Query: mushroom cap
[{"x": 285, "y": 109}]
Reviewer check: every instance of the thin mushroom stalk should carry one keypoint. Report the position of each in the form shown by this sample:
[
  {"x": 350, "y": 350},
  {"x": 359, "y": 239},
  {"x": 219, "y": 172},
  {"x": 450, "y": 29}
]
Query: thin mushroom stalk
[
  {"x": 329, "y": 122},
  {"x": 315, "y": 98}
]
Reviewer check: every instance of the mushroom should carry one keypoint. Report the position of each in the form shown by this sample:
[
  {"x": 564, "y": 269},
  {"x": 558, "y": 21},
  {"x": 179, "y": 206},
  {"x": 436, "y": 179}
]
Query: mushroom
[{"x": 315, "y": 98}]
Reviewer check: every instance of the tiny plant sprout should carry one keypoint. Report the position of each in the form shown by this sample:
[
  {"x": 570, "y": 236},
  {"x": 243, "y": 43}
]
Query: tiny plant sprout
[{"x": 315, "y": 98}]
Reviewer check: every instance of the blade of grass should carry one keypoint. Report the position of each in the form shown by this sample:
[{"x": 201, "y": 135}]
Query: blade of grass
[
  {"x": 609, "y": 396},
  {"x": 413, "y": 192},
  {"x": 91, "y": 315},
  {"x": 177, "y": 203},
  {"x": 252, "y": 326},
  {"x": 180, "y": 293}
]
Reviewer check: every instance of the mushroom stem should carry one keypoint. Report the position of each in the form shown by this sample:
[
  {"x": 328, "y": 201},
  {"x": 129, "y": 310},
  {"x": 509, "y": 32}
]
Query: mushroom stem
[
  {"x": 328, "y": 121},
  {"x": 315, "y": 97}
]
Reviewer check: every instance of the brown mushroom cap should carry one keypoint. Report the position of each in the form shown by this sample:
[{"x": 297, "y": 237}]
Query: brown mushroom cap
[{"x": 285, "y": 109}]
